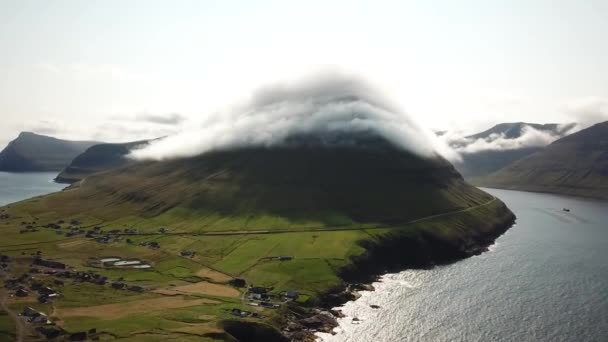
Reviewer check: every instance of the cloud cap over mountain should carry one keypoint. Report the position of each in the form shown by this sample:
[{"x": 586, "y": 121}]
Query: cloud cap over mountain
[{"x": 334, "y": 108}]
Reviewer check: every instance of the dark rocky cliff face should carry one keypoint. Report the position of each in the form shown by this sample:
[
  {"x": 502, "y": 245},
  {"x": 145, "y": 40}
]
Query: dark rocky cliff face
[
  {"x": 12, "y": 161},
  {"x": 398, "y": 251}
]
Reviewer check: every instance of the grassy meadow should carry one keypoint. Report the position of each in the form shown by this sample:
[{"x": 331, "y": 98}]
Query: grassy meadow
[{"x": 187, "y": 298}]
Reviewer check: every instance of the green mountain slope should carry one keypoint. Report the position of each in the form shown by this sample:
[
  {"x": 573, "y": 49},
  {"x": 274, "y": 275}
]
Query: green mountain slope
[
  {"x": 324, "y": 185},
  {"x": 97, "y": 158},
  {"x": 34, "y": 152},
  {"x": 574, "y": 165}
]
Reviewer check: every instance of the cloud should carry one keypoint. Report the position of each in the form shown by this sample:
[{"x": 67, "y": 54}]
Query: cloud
[
  {"x": 587, "y": 111},
  {"x": 332, "y": 107},
  {"x": 46, "y": 127},
  {"x": 162, "y": 119},
  {"x": 102, "y": 131},
  {"x": 530, "y": 137}
]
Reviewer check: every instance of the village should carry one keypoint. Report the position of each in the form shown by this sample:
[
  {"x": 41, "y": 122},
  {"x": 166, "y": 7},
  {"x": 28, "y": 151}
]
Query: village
[
  {"x": 44, "y": 278},
  {"x": 44, "y": 281}
]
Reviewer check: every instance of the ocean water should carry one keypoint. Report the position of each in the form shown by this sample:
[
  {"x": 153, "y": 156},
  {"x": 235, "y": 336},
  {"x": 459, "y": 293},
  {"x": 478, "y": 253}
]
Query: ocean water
[
  {"x": 546, "y": 279},
  {"x": 15, "y": 187}
]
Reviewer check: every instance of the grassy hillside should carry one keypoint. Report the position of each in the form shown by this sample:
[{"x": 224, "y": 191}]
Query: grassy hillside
[
  {"x": 261, "y": 188},
  {"x": 34, "y": 152},
  {"x": 326, "y": 209},
  {"x": 102, "y": 157},
  {"x": 574, "y": 165}
]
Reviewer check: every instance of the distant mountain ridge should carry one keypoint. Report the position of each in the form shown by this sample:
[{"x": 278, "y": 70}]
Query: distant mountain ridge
[
  {"x": 484, "y": 162},
  {"x": 574, "y": 165},
  {"x": 514, "y": 130},
  {"x": 34, "y": 152},
  {"x": 98, "y": 158}
]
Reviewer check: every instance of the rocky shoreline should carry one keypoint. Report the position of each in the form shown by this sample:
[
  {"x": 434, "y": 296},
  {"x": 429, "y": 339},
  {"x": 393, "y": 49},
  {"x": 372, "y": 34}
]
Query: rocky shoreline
[{"x": 393, "y": 253}]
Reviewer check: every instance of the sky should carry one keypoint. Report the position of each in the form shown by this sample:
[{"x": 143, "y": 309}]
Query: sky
[{"x": 126, "y": 70}]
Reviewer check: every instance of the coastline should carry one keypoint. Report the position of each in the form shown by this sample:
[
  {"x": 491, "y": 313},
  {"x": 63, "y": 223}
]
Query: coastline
[
  {"x": 392, "y": 253},
  {"x": 580, "y": 193}
]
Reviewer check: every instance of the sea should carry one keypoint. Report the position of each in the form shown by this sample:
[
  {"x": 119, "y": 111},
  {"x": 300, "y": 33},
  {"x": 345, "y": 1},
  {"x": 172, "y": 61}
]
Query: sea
[
  {"x": 16, "y": 187},
  {"x": 545, "y": 279}
]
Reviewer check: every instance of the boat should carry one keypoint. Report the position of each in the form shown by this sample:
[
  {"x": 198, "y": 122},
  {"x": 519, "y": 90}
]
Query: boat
[{"x": 566, "y": 210}]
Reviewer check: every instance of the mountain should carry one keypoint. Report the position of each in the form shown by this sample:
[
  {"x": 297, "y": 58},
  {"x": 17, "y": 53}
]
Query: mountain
[
  {"x": 574, "y": 165},
  {"x": 514, "y": 130},
  {"x": 305, "y": 216},
  {"x": 373, "y": 183},
  {"x": 481, "y": 162},
  {"x": 98, "y": 158},
  {"x": 34, "y": 152}
]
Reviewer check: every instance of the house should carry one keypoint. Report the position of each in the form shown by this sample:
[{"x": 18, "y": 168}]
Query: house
[
  {"x": 292, "y": 294},
  {"x": 240, "y": 313},
  {"x": 257, "y": 289},
  {"x": 118, "y": 285},
  {"x": 50, "y": 332},
  {"x": 22, "y": 292},
  {"x": 154, "y": 244},
  {"x": 187, "y": 253},
  {"x": 135, "y": 288},
  {"x": 41, "y": 318},
  {"x": 255, "y": 296},
  {"x": 269, "y": 305},
  {"x": 162, "y": 230},
  {"x": 29, "y": 312},
  {"x": 49, "y": 263},
  {"x": 45, "y": 290},
  {"x": 101, "y": 281}
]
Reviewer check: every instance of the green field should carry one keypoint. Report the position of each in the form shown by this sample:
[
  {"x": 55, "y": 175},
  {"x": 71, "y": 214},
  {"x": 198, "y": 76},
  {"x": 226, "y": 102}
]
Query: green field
[{"x": 318, "y": 255}]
